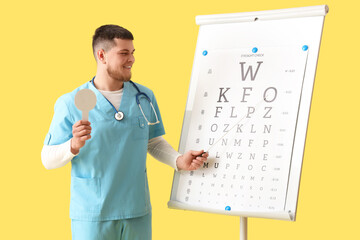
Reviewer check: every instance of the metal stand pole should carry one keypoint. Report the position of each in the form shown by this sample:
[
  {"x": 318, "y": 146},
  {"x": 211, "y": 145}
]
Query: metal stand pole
[{"x": 243, "y": 228}]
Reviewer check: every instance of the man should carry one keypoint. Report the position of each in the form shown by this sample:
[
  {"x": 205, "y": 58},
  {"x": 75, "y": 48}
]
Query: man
[{"x": 109, "y": 189}]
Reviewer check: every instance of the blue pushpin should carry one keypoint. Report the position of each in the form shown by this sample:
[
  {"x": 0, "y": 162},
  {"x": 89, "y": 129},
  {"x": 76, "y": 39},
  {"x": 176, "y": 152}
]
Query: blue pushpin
[
  {"x": 305, "y": 48},
  {"x": 205, "y": 53},
  {"x": 228, "y": 208},
  {"x": 254, "y": 50}
]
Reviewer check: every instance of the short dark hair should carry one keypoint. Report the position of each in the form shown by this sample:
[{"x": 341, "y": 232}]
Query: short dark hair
[{"x": 105, "y": 35}]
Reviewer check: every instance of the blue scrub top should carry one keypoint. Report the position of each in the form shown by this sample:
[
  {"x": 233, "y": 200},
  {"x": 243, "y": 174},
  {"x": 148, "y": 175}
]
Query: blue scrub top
[{"x": 108, "y": 176}]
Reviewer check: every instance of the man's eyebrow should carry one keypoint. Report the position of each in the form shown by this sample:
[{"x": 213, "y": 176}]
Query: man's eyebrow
[{"x": 125, "y": 50}]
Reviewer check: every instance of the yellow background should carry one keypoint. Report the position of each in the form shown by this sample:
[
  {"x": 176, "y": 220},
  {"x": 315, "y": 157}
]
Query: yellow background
[{"x": 46, "y": 52}]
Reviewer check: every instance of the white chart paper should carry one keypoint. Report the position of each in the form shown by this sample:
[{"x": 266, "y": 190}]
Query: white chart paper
[{"x": 254, "y": 99}]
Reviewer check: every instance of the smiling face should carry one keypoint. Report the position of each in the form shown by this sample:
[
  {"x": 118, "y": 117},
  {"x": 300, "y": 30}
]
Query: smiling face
[{"x": 119, "y": 60}]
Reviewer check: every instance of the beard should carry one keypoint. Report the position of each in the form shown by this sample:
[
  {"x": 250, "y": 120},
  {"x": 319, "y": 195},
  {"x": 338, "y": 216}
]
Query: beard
[{"x": 117, "y": 75}]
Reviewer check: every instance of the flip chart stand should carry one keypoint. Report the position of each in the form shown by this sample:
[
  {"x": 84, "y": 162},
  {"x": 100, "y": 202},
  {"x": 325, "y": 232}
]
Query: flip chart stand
[
  {"x": 227, "y": 45},
  {"x": 243, "y": 228}
]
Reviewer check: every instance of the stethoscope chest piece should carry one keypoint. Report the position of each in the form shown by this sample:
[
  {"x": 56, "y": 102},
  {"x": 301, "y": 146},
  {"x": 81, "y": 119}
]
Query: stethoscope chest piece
[{"x": 119, "y": 116}]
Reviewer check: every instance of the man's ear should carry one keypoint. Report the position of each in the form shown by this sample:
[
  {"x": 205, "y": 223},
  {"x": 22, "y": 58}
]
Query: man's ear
[{"x": 101, "y": 56}]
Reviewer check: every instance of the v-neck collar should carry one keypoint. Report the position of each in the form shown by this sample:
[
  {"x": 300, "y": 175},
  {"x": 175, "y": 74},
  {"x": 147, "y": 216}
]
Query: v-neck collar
[{"x": 103, "y": 103}]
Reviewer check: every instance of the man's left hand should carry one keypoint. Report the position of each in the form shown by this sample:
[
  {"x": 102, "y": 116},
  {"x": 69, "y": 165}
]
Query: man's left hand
[{"x": 191, "y": 160}]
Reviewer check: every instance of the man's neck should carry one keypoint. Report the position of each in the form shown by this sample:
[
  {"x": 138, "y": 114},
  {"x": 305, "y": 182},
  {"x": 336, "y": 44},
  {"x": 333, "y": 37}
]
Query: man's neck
[{"x": 106, "y": 83}]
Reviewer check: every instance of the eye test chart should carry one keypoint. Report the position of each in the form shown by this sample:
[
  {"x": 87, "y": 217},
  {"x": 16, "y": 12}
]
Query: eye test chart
[{"x": 248, "y": 106}]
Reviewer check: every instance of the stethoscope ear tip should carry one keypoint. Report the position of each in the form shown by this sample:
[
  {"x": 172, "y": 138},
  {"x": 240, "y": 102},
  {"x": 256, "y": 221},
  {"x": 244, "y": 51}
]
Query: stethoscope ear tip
[{"x": 151, "y": 124}]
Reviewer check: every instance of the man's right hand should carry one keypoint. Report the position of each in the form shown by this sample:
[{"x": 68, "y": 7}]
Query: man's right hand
[{"x": 81, "y": 131}]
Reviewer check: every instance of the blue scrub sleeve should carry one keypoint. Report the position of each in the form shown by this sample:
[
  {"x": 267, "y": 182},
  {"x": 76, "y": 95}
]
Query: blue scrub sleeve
[
  {"x": 61, "y": 125},
  {"x": 157, "y": 129}
]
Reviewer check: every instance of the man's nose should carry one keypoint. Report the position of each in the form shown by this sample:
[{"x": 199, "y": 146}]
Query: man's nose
[{"x": 132, "y": 58}]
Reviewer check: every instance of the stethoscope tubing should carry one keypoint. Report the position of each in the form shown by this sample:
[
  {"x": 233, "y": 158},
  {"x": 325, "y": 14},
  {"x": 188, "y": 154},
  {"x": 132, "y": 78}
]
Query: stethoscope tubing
[{"x": 120, "y": 115}]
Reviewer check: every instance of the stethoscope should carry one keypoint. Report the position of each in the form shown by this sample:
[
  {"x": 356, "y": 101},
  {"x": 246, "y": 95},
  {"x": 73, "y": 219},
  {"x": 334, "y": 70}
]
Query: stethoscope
[{"x": 120, "y": 115}]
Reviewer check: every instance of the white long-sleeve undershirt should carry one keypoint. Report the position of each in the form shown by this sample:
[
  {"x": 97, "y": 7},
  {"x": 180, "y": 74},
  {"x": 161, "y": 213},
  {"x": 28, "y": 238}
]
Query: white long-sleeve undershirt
[{"x": 55, "y": 156}]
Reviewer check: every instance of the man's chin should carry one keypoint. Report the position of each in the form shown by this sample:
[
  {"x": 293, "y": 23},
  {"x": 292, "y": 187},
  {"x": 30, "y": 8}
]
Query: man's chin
[
  {"x": 126, "y": 79},
  {"x": 120, "y": 77}
]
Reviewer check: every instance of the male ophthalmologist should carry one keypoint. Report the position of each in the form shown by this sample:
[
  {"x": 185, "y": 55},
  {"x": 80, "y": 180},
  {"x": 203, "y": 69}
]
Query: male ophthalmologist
[{"x": 109, "y": 189}]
